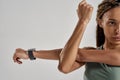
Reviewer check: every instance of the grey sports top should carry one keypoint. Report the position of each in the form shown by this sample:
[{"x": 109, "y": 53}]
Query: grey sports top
[{"x": 101, "y": 71}]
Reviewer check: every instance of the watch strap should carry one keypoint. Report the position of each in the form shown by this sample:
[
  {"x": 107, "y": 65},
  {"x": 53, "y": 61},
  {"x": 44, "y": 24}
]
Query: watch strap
[{"x": 30, "y": 54}]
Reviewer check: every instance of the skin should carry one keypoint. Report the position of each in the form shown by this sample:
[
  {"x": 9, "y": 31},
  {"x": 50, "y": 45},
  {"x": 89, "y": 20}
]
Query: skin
[
  {"x": 111, "y": 26},
  {"x": 110, "y": 23},
  {"x": 69, "y": 53},
  {"x": 71, "y": 57}
]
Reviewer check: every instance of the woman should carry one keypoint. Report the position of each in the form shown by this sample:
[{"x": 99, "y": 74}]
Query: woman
[{"x": 101, "y": 63}]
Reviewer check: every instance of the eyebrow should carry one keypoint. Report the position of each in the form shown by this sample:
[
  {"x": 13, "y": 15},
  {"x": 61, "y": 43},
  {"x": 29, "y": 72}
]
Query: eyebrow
[{"x": 112, "y": 20}]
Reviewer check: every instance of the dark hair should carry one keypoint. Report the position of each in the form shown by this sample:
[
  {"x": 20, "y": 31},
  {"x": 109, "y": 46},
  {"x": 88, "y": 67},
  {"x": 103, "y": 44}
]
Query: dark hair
[{"x": 105, "y": 6}]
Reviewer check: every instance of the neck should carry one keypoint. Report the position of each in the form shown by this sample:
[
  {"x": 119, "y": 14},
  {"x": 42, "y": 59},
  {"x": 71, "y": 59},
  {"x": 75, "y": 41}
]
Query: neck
[{"x": 108, "y": 46}]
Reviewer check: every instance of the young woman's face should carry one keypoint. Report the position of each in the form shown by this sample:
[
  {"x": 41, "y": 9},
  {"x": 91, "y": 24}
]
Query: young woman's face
[{"x": 111, "y": 25}]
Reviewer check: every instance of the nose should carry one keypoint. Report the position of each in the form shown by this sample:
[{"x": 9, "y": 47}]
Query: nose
[{"x": 118, "y": 30}]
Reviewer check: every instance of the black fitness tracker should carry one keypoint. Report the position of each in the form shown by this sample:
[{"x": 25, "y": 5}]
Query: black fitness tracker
[{"x": 30, "y": 54}]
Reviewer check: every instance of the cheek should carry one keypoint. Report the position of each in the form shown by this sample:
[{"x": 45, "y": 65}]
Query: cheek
[{"x": 108, "y": 32}]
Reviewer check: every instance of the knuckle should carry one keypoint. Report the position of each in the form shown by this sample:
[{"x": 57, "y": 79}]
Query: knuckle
[
  {"x": 81, "y": 4},
  {"x": 90, "y": 8},
  {"x": 17, "y": 49},
  {"x": 84, "y": 5}
]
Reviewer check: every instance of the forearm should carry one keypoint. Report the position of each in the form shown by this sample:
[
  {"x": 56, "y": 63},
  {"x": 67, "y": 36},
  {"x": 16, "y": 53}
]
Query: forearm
[
  {"x": 48, "y": 54},
  {"x": 110, "y": 57},
  {"x": 69, "y": 52}
]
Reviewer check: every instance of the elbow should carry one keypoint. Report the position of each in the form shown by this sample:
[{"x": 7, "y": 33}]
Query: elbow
[{"x": 63, "y": 69}]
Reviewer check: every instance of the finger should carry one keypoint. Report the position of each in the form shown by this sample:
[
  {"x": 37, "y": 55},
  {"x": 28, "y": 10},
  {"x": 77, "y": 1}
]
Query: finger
[
  {"x": 14, "y": 58},
  {"x": 83, "y": 1},
  {"x": 82, "y": 6},
  {"x": 18, "y": 60},
  {"x": 90, "y": 7},
  {"x": 77, "y": 12}
]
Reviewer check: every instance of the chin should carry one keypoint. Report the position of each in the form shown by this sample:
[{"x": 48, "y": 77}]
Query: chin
[{"x": 115, "y": 42}]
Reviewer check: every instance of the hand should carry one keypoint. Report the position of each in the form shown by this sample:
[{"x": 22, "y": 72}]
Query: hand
[
  {"x": 20, "y": 54},
  {"x": 84, "y": 11}
]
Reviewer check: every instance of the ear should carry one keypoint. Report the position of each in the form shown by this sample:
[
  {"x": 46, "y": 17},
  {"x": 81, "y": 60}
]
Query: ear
[{"x": 100, "y": 23}]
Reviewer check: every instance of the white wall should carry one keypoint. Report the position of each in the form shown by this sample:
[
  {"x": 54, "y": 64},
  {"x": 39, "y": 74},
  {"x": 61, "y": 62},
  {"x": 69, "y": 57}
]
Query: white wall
[{"x": 40, "y": 24}]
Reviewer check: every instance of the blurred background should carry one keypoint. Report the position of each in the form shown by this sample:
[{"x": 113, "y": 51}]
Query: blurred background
[{"x": 40, "y": 24}]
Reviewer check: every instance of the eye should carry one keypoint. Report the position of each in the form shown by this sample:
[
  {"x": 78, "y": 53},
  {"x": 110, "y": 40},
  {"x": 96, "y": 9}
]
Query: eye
[{"x": 112, "y": 23}]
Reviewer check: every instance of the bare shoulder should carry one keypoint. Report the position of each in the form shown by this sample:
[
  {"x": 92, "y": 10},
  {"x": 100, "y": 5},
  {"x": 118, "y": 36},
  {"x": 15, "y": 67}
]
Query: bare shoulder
[{"x": 89, "y": 48}]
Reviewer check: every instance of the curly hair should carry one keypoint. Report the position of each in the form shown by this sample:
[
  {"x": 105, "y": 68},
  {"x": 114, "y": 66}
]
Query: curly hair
[{"x": 103, "y": 7}]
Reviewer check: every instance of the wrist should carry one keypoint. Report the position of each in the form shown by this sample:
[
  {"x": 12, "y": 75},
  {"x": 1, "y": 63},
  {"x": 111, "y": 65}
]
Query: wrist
[
  {"x": 85, "y": 22},
  {"x": 35, "y": 54},
  {"x": 30, "y": 53},
  {"x": 26, "y": 54}
]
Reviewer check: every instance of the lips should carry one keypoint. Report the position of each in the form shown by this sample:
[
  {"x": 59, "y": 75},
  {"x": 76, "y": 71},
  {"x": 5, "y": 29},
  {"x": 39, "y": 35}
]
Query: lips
[{"x": 116, "y": 38}]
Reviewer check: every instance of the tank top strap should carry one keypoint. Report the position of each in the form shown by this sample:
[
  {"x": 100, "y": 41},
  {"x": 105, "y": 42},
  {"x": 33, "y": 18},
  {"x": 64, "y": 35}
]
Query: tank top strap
[{"x": 100, "y": 48}]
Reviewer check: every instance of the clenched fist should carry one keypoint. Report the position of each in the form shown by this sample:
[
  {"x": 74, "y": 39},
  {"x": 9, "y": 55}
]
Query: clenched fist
[
  {"x": 20, "y": 54},
  {"x": 84, "y": 11}
]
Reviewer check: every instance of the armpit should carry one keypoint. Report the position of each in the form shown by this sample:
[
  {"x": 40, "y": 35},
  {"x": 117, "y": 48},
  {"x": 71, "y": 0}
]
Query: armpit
[{"x": 87, "y": 48}]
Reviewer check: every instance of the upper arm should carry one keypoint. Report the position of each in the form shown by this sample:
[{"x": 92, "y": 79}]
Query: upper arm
[
  {"x": 77, "y": 64},
  {"x": 80, "y": 56},
  {"x": 111, "y": 57}
]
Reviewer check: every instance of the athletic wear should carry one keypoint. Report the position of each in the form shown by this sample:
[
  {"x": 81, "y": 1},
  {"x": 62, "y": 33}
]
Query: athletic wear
[{"x": 101, "y": 71}]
